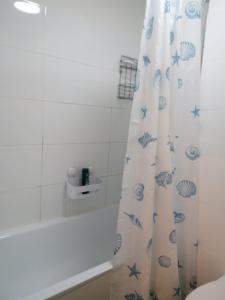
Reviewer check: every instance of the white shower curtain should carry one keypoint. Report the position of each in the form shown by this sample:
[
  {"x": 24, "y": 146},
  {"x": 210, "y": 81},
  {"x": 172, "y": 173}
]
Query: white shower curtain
[{"x": 155, "y": 253}]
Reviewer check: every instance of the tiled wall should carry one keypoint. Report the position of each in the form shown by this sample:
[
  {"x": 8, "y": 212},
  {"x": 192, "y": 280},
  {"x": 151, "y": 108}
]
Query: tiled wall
[
  {"x": 58, "y": 104},
  {"x": 211, "y": 258}
]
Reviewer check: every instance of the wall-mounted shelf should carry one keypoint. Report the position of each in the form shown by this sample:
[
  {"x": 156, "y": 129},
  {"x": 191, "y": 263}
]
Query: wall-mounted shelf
[
  {"x": 128, "y": 77},
  {"x": 76, "y": 191}
]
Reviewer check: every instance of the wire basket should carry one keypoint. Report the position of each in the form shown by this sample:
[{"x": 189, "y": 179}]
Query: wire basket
[{"x": 128, "y": 77}]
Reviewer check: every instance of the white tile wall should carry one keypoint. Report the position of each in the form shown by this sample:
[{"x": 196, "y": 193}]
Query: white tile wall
[
  {"x": 117, "y": 158},
  {"x": 210, "y": 267},
  {"x": 215, "y": 47},
  {"x": 20, "y": 73},
  {"x": 212, "y": 229},
  {"x": 58, "y": 103},
  {"x": 20, "y": 122},
  {"x": 120, "y": 124},
  {"x": 59, "y": 158},
  {"x": 74, "y": 82},
  {"x": 114, "y": 189},
  {"x": 65, "y": 123},
  {"x": 80, "y": 206},
  {"x": 52, "y": 204},
  {"x": 18, "y": 29},
  {"x": 102, "y": 29},
  {"x": 20, "y": 167},
  {"x": 211, "y": 254},
  {"x": 19, "y": 207},
  {"x": 214, "y": 92},
  {"x": 212, "y": 181}
]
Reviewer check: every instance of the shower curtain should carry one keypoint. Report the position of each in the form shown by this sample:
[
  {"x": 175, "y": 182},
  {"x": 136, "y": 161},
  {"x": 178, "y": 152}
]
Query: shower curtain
[{"x": 156, "y": 246}]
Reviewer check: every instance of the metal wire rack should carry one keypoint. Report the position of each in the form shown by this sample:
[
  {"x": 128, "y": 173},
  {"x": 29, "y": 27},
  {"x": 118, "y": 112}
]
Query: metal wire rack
[{"x": 128, "y": 77}]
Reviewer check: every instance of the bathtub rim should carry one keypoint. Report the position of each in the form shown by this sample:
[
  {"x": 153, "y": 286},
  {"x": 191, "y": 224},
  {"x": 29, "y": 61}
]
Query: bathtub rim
[{"x": 68, "y": 285}]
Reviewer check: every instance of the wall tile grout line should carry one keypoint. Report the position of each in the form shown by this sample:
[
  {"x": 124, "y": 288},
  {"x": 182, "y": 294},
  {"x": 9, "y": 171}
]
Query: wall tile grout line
[
  {"x": 3, "y": 98},
  {"x": 42, "y": 53}
]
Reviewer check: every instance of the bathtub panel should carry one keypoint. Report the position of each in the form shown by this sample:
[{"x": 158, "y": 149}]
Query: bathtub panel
[
  {"x": 94, "y": 289},
  {"x": 50, "y": 253}
]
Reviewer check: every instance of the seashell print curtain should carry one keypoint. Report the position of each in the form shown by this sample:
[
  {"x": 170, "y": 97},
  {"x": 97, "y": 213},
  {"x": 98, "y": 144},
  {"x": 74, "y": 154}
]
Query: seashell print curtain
[{"x": 155, "y": 253}]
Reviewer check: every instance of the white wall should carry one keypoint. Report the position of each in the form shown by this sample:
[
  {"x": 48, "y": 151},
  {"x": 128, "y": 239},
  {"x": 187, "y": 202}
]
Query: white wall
[
  {"x": 58, "y": 104},
  {"x": 211, "y": 258}
]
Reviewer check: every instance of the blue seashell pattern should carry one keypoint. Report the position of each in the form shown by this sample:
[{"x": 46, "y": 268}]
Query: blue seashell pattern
[
  {"x": 149, "y": 246},
  {"x": 157, "y": 79},
  {"x": 187, "y": 51},
  {"x": 172, "y": 36},
  {"x": 168, "y": 73},
  {"x": 193, "y": 283},
  {"x": 146, "y": 139},
  {"x": 178, "y": 217},
  {"x": 193, "y": 10},
  {"x": 179, "y": 83},
  {"x": 153, "y": 295},
  {"x": 133, "y": 296},
  {"x": 167, "y": 6},
  {"x": 186, "y": 188},
  {"x": 118, "y": 243},
  {"x": 134, "y": 220},
  {"x": 192, "y": 152},
  {"x": 139, "y": 191},
  {"x": 176, "y": 291},
  {"x": 164, "y": 261},
  {"x": 149, "y": 29},
  {"x": 155, "y": 215},
  {"x": 146, "y": 60},
  {"x": 164, "y": 178},
  {"x": 162, "y": 102},
  {"x": 169, "y": 70},
  {"x": 179, "y": 265},
  {"x": 172, "y": 237}
]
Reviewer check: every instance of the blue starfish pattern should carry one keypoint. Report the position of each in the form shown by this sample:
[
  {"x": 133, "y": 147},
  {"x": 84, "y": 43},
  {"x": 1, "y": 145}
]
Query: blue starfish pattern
[
  {"x": 196, "y": 112},
  {"x": 133, "y": 271},
  {"x": 176, "y": 58},
  {"x": 177, "y": 292},
  {"x": 144, "y": 112}
]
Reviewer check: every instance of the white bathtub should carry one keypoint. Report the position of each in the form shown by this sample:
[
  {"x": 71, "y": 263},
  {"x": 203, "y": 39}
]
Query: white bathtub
[{"x": 44, "y": 260}]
